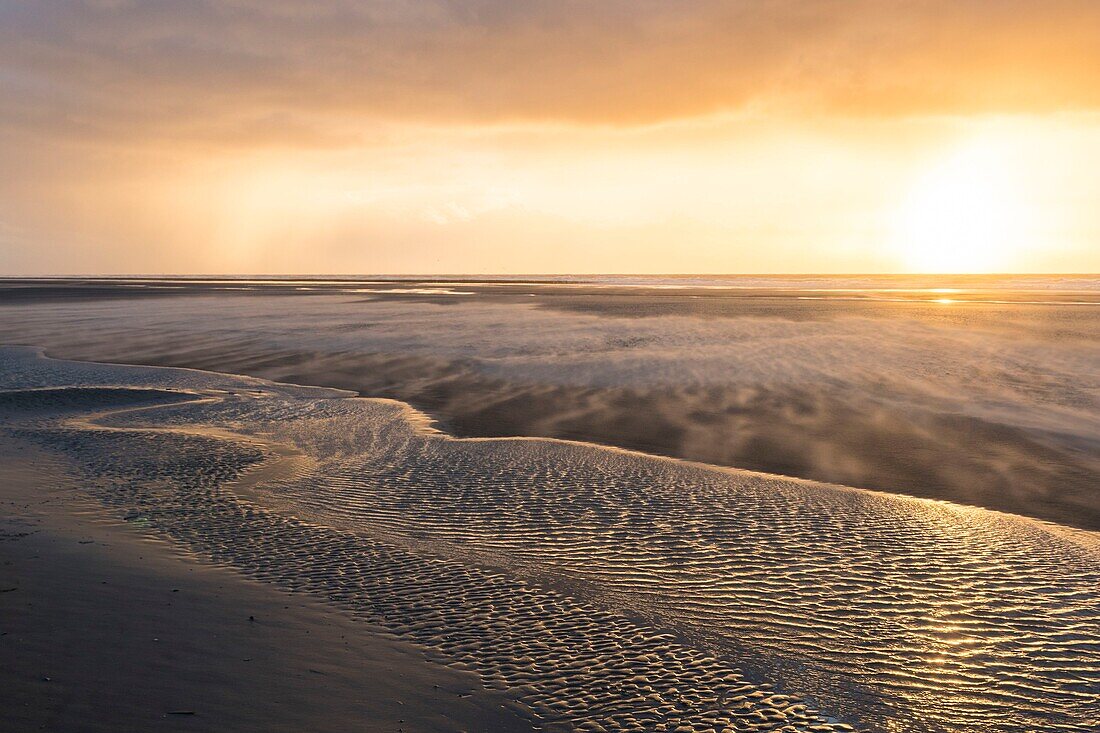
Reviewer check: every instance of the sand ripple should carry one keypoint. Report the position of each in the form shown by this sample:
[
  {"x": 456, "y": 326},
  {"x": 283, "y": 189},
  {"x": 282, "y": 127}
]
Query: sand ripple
[{"x": 610, "y": 590}]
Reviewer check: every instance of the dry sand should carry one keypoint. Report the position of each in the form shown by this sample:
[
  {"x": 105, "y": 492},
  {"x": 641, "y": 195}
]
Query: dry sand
[{"x": 103, "y": 630}]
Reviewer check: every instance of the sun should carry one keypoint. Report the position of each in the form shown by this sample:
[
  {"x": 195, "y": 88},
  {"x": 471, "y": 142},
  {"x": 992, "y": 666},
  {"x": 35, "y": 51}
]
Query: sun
[{"x": 966, "y": 214}]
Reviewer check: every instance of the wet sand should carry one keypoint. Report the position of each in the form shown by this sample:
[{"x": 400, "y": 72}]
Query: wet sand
[
  {"x": 104, "y": 629},
  {"x": 989, "y": 400},
  {"x": 603, "y": 589}
]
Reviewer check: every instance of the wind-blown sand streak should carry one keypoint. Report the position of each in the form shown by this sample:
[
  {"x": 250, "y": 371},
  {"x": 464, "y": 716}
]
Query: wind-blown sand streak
[
  {"x": 981, "y": 404},
  {"x": 606, "y": 589}
]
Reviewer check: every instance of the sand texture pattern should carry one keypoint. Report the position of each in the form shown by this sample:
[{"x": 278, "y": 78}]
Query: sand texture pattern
[{"x": 605, "y": 589}]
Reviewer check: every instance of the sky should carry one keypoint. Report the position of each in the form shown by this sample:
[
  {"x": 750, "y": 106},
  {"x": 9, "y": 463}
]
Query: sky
[{"x": 522, "y": 136}]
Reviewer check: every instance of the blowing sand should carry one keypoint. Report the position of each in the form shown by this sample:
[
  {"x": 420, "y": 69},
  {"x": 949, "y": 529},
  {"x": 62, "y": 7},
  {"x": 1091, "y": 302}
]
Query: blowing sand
[{"x": 991, "y": 402}]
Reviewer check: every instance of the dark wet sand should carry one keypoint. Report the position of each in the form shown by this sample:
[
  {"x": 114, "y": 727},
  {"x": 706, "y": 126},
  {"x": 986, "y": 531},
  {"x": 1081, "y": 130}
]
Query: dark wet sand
[{"x": 105, "y": 631}]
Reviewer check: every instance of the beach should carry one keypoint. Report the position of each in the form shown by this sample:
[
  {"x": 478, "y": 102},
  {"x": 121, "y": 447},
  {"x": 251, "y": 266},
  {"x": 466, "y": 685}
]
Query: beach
[
  {"x": 105, "y": 629},
  {"x": 558, "y": 584},
  {"x": 978, "y": 390},
  {"x": 575, "y": 367}
]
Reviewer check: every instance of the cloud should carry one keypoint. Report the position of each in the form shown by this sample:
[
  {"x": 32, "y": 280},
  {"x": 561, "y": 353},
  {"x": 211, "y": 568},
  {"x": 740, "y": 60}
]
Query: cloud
[{"x": 271, "y": 71}]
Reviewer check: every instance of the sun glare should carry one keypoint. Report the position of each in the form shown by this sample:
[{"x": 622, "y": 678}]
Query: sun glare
[{"x": 966, "y": 214}]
